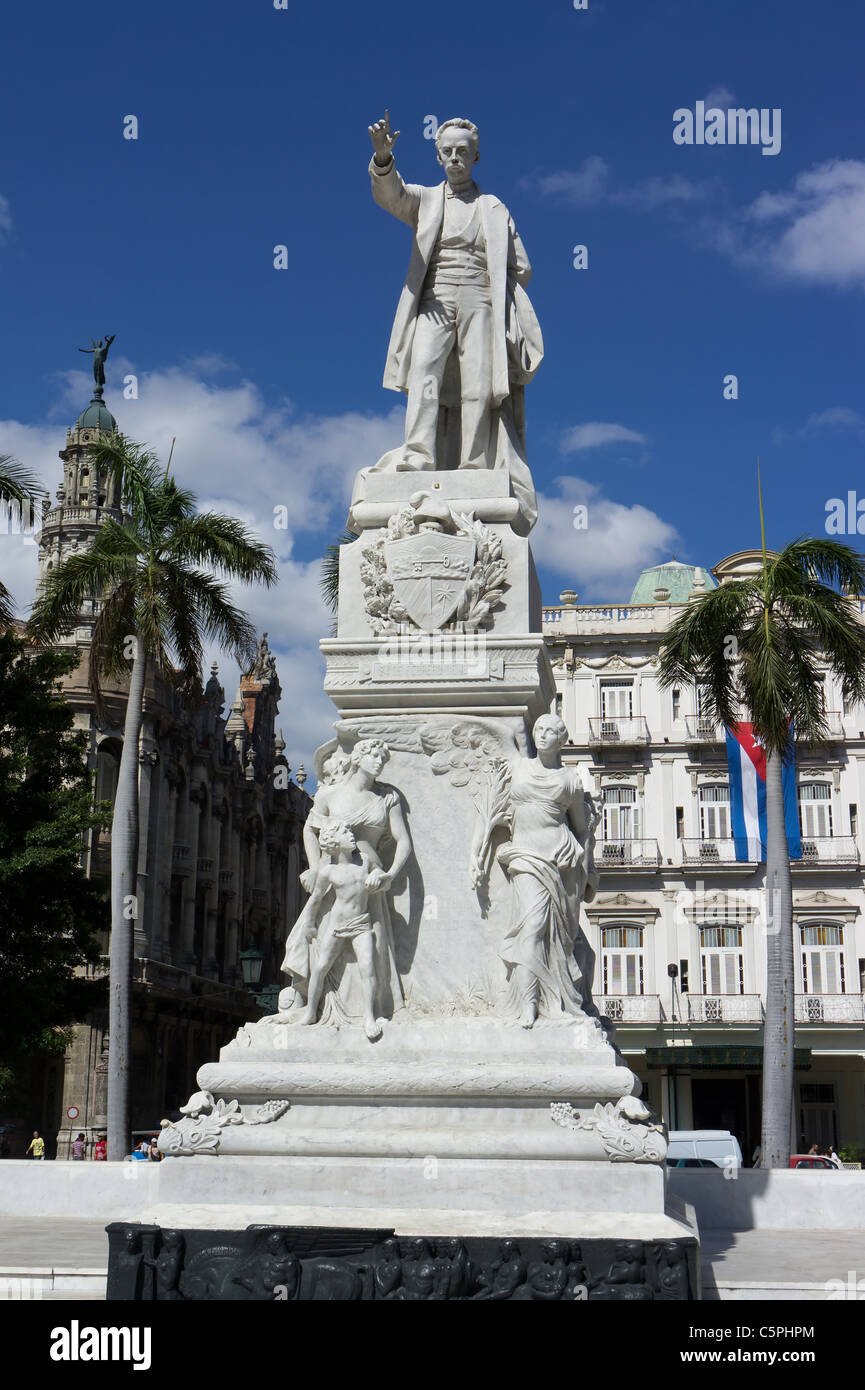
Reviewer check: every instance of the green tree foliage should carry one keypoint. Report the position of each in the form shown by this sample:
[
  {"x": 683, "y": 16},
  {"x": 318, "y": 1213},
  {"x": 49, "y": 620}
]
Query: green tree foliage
[{"x": 49, "y": 910}]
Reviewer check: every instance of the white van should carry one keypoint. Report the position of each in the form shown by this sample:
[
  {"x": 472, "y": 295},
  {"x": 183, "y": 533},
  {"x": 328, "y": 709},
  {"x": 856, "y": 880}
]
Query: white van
[{"x": 703, "y": 1148}]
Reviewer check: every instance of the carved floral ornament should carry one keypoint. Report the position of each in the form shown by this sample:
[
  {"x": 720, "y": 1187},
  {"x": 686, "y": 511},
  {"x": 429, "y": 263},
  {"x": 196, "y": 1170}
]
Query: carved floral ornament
[
  {"x": 200, "y": 1131},
  {"x": 625, "y": 1129}
]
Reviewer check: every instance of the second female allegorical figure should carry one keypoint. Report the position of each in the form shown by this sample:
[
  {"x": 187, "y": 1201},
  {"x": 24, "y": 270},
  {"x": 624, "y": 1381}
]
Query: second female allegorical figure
[{"x": 550, "y": 865}]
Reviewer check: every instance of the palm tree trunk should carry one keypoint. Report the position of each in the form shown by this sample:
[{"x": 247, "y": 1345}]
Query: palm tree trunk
[
  {"x": 124, "y": 910},
  {"x": 778, "y": 1030}
]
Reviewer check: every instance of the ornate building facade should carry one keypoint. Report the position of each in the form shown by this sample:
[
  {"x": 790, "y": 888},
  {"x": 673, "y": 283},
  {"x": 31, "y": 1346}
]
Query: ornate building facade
[
  {"x": 677, "y": 926},
  {"x": 220, "y": 845}
]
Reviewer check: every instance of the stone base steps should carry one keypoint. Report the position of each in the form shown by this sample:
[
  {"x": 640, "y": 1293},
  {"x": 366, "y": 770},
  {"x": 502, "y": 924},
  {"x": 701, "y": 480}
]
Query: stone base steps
[
  {"x": 38, "y": 1282},
  {"x": 751, "y": 1292}
]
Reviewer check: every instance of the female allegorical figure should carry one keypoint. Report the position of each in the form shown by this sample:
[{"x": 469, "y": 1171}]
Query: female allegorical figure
[
  {"x": 550, "y": 865},
  {"x": 375, "y": 816}
]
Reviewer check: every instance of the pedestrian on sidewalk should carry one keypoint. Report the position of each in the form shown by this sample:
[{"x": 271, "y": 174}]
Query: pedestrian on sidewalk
[
  {"x": 100, "y": 1149},
  {"x": 37, "y": 1144},
  {"x": 79, "y": 1148}
]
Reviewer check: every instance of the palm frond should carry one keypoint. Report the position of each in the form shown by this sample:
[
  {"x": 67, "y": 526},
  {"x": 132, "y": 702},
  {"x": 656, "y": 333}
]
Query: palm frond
[
  {"x": 7, "y": 608},
  {"x": 201, "y": 602},
  {"x": 777, "y": 632},
  {"x": 224, "y": 544},
  {"x": 109, "y": 559},
  {"x": 17, "y": 482},
  {"x": 822, "y": 559},
  {"x": 330, "y": 570},
  {"x": 135, "y": 467},
  {"x": 115, "y": 624}
]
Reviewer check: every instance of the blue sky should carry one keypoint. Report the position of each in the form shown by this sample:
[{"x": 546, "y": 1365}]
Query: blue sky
[{"x": 703, "y": 260}]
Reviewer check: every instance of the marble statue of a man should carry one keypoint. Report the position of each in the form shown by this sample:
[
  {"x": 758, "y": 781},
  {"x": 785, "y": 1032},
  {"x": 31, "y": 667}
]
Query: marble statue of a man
[{"x": 465, "y": 339}]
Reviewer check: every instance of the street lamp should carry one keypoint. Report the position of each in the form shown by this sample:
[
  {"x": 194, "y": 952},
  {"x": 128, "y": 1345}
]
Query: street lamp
[
  {"x": 251, "y": 962},
  {"x": 265, "y": 996}
]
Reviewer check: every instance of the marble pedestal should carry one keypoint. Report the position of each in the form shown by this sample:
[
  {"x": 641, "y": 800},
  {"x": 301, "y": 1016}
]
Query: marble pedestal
[{"x": 455, "y": 1120}]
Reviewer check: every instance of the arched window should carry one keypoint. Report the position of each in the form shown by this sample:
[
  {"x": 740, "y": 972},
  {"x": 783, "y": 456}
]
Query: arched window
[
  {"x": 107, "y": 769},
  {"x": 622, "y": 959}
]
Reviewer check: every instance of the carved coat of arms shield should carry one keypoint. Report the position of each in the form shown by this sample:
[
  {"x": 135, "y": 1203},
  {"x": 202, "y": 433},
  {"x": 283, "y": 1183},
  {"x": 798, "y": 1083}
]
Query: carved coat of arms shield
[{"x": 429, "y": 573}]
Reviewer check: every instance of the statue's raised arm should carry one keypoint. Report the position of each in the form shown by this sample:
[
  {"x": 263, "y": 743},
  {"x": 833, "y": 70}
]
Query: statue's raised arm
[{"x": 383, "y": 140}]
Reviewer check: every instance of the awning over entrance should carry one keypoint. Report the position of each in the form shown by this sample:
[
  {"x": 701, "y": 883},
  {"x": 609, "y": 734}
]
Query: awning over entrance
[{"x": 696, "y": 1058}]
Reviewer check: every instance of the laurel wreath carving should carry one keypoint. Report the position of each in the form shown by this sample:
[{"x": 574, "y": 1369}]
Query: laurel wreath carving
[{"x": 484, "y": 588}]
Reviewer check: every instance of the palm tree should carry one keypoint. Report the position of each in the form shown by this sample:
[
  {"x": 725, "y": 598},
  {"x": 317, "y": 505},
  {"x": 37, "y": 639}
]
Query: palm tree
[
  {"x": 330, "y": 569},
  {"x": 158, "y": 606},
  {"x": 18, "y": 488},
  {"x": 757, "y": 644}
]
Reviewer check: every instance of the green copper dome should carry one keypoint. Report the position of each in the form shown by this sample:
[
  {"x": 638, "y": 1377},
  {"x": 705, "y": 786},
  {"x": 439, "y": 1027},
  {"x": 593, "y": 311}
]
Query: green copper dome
[
  {"x": 97, "y": 416},
  {"x": 677, "y": 579}
]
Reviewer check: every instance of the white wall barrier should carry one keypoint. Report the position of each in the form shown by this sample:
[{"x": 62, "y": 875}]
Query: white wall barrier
[{"x": 792, "y": 1200}]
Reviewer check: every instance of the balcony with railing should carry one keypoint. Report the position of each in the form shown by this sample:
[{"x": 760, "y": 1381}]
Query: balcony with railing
[
  {"x": 828, "y": 852},
  {"x": 562, "y": 620},
  {"x": 719, "y": 853},
  {"x": 160, "y": 978},
  {"x": 830, "y": 1008},
  {"x": 181, "y": 857},
  {"x": 627, "y": 854},
  {"x": 630, "y": 1008},
  {"x": 205, "y": 869},
  {"x": 621, "y": 732},
  {"x": 724, "y": 1008},
  {"x": 699, "y": 729}
]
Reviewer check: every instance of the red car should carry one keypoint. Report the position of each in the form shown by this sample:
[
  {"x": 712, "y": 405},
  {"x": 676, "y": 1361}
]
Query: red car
[{"x": 811, "y": 1161}]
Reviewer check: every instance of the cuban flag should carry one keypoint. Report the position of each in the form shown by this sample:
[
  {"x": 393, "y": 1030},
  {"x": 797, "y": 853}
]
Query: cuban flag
[{"x": 746, "y": 764}]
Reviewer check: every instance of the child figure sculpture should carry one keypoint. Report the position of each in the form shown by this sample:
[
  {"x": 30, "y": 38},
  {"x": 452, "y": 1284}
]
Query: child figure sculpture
[{"x": 346, "y": 923}]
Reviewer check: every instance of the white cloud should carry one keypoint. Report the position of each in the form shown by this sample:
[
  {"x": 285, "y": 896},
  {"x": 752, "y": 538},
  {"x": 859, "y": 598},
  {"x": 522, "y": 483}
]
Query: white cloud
[
  {"x": 720, "y": 96},
  {"x": 838, "y": 418},
  {"x": 595, "y": 434},
  {"x": 814, "y": 232},
  {"x": 588, "y": 184},
  {"x": 5, "y": 218},
  {"x": 658, "y": 192},
  {"x": 244, "y": 457},
  {"x": 603, "y": 560},
  {"x": 593, "y": 183}
]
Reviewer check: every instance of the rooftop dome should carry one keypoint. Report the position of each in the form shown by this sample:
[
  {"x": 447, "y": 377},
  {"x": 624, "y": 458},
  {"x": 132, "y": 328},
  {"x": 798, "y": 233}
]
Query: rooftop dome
[
  {"x": 674, "y": 580},
  {"x": 97, "y": 416}
]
